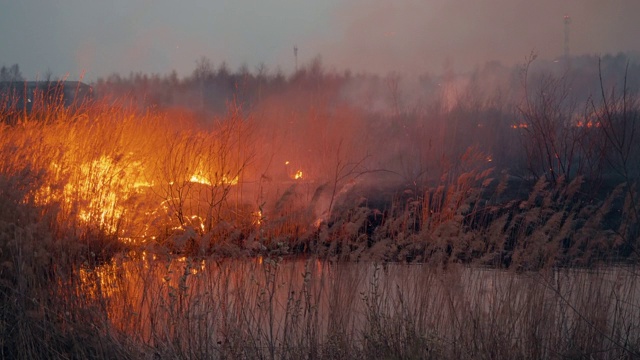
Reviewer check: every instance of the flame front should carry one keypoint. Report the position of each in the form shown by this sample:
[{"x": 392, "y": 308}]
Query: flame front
[
  {"x": 98, "y": 190},
  {"x": 195, "y": 178},
  {"x": 137, "y": 177},
  {"x": 200, "y": 179}
]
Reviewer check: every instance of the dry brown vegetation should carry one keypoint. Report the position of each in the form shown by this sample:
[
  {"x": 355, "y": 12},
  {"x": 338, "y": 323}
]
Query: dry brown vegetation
[{"x": 128, "y": 233}]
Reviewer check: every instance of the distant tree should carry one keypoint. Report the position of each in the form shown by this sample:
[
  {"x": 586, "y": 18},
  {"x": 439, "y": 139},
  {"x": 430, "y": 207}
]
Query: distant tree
[
  {"x": 204, "y": 69},
  {"x": 203, "y": 73},
  {"x": 173, "y": 79},
  {"x": 48, "y": 76},
  {"x": 223, "y": 71},
  {"x": 11, "y": 74},
  {"x": 262, "y": 71},
  {"x": 279, "y": 79},
  {"x": 262, "y": 77},
  {"x": 393, "y": 81},
  {"x": 243, "y": 71}
]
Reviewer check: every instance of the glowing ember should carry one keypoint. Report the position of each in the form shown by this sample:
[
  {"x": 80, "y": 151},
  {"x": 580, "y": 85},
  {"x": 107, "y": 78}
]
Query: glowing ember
[
  {"x": 588, "y": 124},
  {"x": 257, "y": 217},
  {"x": 298, "y": 175},
  {"x": 228, "y": 181}
]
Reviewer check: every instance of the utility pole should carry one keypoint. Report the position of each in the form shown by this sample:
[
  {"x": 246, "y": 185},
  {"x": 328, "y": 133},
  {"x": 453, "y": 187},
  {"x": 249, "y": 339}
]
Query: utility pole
[
  {"x": 567, "y": 23},
  {"x": 295, "y": 55}
]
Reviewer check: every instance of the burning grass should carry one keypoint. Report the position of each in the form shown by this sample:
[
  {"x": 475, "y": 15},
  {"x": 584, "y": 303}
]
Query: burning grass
[{"x": 156, "y": 179}]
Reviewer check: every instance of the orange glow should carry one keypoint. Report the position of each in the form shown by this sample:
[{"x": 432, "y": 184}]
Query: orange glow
[
  {"x": 257, "y": 217},
  {"x": 197, "y": 178},
  {"x": 99, "y": 189},
  {"x": 588, "y": 124},
  {"x": 298, "y": 175},
  {"x": 125, "y": 174}
]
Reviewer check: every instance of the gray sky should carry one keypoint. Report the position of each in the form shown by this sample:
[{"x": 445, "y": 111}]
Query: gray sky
[{"x": 410, "y": 36}]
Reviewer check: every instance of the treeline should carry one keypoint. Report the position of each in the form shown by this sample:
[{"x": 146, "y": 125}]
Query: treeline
[
  {"x": 544, "y": 112},
  {"x": 209, "y": 87},
  {"x": 11, "y": 73}
]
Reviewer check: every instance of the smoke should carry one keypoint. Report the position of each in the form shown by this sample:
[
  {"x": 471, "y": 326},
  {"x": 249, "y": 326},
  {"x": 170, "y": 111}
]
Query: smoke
[
  {"x": 415, "y": 37},
  {"x": 409, "y": 36}
]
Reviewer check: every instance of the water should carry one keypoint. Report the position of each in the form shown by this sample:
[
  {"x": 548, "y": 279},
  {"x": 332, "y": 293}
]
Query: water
[{"x": 282, "y": 304}]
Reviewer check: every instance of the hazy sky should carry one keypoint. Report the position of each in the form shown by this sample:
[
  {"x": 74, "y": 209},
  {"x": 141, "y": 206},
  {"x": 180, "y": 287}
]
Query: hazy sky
[{"x": 411, "y": 36}]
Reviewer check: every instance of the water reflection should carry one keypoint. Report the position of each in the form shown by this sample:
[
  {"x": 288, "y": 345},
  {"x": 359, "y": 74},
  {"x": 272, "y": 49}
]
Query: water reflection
[{"x": 274, "y": 303}]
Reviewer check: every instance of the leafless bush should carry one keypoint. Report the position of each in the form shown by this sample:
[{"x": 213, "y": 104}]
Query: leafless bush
[
  {"x": 556, "y": 143},
  {"x": 618, "y": 120}
]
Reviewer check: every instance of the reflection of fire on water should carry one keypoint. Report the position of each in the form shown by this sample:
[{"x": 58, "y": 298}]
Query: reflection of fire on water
[{"x": 142, "y": 294}]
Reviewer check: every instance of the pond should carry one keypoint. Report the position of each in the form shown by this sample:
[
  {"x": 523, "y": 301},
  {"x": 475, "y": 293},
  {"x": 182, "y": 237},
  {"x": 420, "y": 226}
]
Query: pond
[{"x": 279, "y": 307}]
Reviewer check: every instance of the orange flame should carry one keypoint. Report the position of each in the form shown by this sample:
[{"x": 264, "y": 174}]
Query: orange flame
[{"x": 197, "y": 178}]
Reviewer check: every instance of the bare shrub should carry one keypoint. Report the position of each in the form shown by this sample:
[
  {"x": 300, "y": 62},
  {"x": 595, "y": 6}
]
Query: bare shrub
[{"x": 557, "y": 145}]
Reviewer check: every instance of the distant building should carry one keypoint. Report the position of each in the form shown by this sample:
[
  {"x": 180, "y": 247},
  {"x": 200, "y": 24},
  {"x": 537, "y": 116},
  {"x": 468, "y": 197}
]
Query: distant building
[{"x": 25, "y": 95}]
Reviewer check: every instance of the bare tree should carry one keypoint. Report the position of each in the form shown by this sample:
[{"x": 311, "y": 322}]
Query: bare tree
[
  {"x": 203, "y": 73},
  {"x": 225, "y": 155},
  {"x": 175, "y": 170},
  {"x": 12, "y": 73},
  {"x": 393, "y": 81},
  {"x": 553, "y": 138}
]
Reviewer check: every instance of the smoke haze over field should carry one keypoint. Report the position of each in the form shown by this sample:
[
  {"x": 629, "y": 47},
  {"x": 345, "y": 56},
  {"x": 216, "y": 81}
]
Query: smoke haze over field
[
  {"x": 418, "y": 36},
  {"x": 99, "y": 38}
]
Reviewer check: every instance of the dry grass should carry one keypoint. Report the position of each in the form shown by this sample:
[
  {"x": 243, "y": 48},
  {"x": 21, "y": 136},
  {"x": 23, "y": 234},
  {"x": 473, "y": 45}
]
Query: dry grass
[
  {"x": 99, "y": 203},
  {"x": 182, "y": 308}
]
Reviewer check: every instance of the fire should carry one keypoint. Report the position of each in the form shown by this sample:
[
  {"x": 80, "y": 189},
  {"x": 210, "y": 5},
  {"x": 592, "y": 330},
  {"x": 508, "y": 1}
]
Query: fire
[
  {"x": 197, "y": 178},
  {"x": 297, "y": 175},
  {"x": 257, "y": 217},
  {"x": 130, "y": 176},
  {"x": 101, "y": 281},
  {"x": 588, "y": 124},
  {"x": 95, "y": 192}
]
